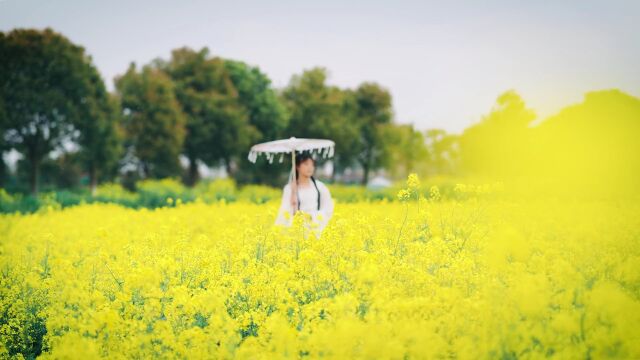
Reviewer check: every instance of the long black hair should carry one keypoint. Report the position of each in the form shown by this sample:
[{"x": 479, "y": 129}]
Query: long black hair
[{"x": 300, "y": 158}]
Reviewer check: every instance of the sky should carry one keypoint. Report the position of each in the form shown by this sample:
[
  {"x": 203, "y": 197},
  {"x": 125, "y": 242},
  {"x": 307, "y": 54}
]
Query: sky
[{"x": 444, "y": 62}]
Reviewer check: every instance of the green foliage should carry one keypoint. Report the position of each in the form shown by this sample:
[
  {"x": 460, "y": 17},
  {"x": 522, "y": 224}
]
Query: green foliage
[
  {"x": 591, "y": 146},
  {"x": 48, "y": 89},
  {"x": 219, "y": 189},
  {"x": 63, "y": 172},
  {"x": 499, "y": 145},
  {"x": 357, "y": 120},
  {"x": 169, "y": 192},
  {"x": 152, "y": 119},
  {"x": 210, "y": 110},
  {"x": 267, "y": 115},
  {"x": 259, "y": 194},
  {"x": 217, "y": 126},
  {"x": 587, "y": 149},
  {"x": 408, "y": 150},
  {"x": 22, "y": 314},
  {"x": 442, "y": 153},
  {"x": 374, "y": 116}
]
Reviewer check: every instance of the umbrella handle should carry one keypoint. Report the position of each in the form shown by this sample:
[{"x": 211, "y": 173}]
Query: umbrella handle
[{"x": 293, "y": 183}]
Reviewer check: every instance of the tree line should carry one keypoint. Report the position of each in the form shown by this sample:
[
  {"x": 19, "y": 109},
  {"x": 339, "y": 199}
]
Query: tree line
[{"x": 207, "y": 110}]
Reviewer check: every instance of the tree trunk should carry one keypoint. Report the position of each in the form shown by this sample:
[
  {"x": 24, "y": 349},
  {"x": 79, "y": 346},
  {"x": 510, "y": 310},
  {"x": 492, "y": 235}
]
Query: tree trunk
[
  {"x": 145, "y": 170},
  {"x": 3, "y": 172},
  {"x": 228, "y": 167},
  {"x": 334, "y": 170},
  {"x": 93, "y": 178},
  {"x": 365, "y": 177},
  {"x": 34, "y": 169},
  {"x": 194, "y": 175},
  {"x": 366, "y": 166}
]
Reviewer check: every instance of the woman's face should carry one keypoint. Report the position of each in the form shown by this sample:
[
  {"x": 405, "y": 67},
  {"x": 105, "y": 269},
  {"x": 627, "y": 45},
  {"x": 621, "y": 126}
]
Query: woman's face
[{"x": 306, "y": 168}]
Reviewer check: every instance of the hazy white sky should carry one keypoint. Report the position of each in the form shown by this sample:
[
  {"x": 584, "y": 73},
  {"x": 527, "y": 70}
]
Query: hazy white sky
[{"x": 445, "y": 62}]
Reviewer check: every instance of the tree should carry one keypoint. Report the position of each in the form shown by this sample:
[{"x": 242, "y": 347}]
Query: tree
[
  {"x": 217, "y": 123},
  {"x": 374, "y": 114},
  {"x": 45, "y": 83},
  {"x": 153, "y": 121},
  {"x": 591, "y": 147},
  {"x": 100, "y": 136},
  {"x": 499, "y": 145},
  {"x": 347, "y": 133},
  {"x": 4, "y": 146},
  {"x": 313, "y": 105},
  {"x": 317, "y": 110},
  {"x": 62, "y": 172},
  {"x": 266, "y": 114},
  {"x": 443, "y": 152},
  {"x": 255, "y": 93},
  {"x": 407, "y": 149}
]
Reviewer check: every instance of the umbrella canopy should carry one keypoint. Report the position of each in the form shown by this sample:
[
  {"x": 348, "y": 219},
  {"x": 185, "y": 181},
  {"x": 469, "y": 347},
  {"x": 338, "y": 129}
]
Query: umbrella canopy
[
  {"x": 285, "y": 146},
  {"x": 323, "y": 147}
]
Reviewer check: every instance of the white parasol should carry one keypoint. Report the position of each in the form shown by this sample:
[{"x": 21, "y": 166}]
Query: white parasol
[{"x": 322, "y": 147}]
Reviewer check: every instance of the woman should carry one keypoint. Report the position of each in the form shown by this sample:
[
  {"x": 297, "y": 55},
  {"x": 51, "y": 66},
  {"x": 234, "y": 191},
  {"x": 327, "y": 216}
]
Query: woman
[{"x": 313, "y": 196}]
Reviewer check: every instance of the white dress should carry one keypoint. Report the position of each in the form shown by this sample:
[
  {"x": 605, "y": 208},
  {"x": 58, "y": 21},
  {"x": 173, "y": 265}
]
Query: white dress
[{"x": 308, "y": 203}]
